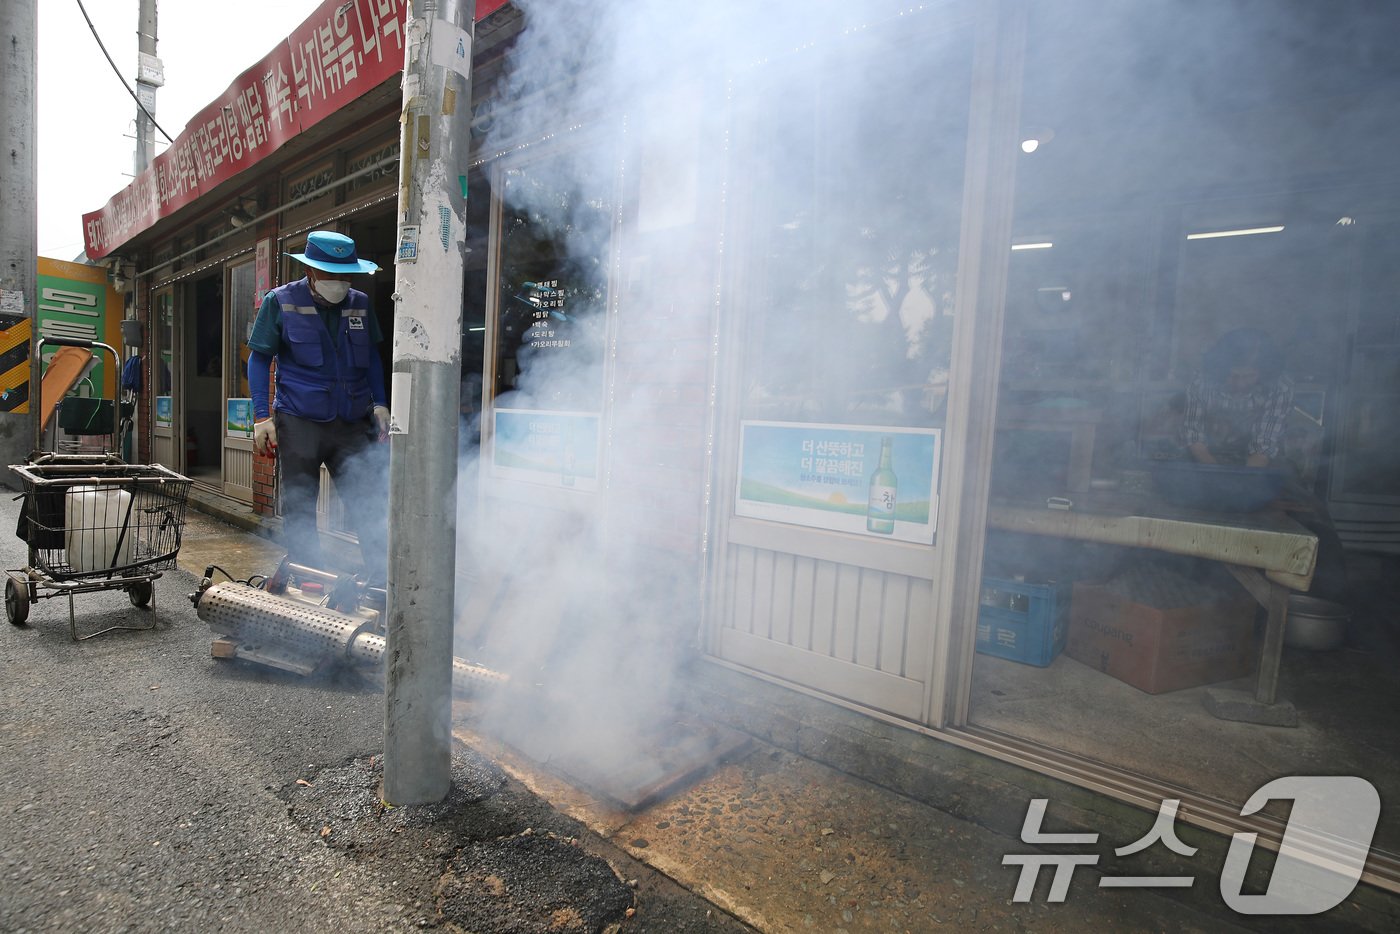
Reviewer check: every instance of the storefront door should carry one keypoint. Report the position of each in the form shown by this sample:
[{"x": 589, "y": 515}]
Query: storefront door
[
  {"x": 202, "y": 373},
  {"x": 164, "y": 372},
  {"x": 237, "y": 424},
  {"x": 848, "y": 164},
  {"x": 540, "y": 474}
]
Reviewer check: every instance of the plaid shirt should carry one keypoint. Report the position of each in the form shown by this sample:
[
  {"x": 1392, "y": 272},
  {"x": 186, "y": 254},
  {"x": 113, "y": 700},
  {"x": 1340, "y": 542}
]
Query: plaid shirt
[{"x": 1237, "y": 425}]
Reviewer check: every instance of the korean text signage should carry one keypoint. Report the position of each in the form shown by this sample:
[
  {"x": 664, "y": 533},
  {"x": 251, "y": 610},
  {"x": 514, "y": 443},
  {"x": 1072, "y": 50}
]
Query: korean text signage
[
  {"x": 546, "y": 329},
  {"x": 262, "y": 273},
  {"x": 343, "y": 50},
  {"x": 880, "y": 482},
  {"x": 75, "y": 302}
]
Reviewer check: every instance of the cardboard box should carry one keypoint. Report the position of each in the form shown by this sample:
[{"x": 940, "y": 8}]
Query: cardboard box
[{"x": 1157, "y": 649}]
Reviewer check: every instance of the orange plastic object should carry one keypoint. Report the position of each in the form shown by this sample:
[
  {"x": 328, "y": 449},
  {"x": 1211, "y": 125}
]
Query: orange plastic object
[{"x": 65, "y": 367}]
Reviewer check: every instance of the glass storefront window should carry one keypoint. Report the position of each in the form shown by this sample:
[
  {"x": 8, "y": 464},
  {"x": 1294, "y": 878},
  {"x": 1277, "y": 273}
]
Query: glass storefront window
[
  {"x": 855, "y": 186},
  {"x": 551, "y": 321},
  {"x": 163, "y": 365},
  {"x": 1191, "y": 177},
  {"x": 553, "y": 285},
  {"x": 241, "y": 314}
]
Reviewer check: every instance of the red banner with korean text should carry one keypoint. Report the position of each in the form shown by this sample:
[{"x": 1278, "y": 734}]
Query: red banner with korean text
[{"x": 343, "y": 50}]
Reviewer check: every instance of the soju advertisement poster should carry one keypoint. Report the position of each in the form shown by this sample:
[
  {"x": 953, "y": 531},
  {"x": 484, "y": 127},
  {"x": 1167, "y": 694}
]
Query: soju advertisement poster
[
  {"x": 845, "y": 478},
  {"x": 553, "y": 448},
  {"x": 239, "y": 423}
]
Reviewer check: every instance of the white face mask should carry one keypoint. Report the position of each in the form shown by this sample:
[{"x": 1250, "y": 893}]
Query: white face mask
[{"x": 332, "y": 290}]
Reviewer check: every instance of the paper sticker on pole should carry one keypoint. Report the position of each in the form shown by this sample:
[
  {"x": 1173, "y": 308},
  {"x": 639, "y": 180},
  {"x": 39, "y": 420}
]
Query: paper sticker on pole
[
  {"x": 408, "y": 244},
  {"x": 427, "y": 324},
  {"x": 401, "y": 385},
  {"x": 452, "y": 48}
]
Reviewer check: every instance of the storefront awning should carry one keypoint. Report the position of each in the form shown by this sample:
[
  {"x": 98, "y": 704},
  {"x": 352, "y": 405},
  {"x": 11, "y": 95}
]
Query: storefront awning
[{"x": 343, "y": 50}]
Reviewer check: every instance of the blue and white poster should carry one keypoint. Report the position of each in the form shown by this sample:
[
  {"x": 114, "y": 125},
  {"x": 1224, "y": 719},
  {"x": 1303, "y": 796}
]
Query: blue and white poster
[
  {"x": 165, "y": 411},
  {"x": 552, "y": 448},
  {"x": 875, "y": 481},
  {"x": 239, "y": 422}
]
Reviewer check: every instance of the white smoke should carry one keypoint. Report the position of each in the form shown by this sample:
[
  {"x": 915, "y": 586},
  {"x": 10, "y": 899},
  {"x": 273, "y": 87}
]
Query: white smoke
[
  {"x": 635, "y": 127},
  {"x": 618, "y": 119}
]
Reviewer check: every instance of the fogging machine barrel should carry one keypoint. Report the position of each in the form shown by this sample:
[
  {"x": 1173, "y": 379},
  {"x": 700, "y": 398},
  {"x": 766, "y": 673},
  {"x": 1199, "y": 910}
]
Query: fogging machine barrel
[{"x": 305, "y": 633}]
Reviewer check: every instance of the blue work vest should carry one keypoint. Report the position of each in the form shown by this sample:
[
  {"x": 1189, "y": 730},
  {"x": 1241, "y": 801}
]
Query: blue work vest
[{"x": 320, "y": 377}]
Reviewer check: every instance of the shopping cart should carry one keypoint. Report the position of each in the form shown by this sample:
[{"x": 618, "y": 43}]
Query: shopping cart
[{"x": 94, "y": 522}]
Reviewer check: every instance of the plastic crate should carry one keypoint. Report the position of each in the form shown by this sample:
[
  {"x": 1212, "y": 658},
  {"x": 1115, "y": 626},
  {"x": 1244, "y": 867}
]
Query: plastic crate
[{"x": 1023, "y": 621}]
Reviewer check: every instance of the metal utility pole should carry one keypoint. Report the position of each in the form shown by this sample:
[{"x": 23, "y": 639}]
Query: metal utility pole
[
  {"x": 424, "y": 390},
  {"x": 149, "y": 75},
  {"x": 19, "y": 229}
]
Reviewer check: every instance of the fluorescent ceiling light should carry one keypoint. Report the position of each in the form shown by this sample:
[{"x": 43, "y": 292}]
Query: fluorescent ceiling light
[
  {"x": 1042, "y": 245},
  {"x": 476, "y": 329},
  {"x": 1244, "y": 231}
]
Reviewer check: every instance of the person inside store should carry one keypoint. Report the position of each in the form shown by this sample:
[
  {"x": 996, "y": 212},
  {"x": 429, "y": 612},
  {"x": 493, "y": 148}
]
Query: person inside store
[
  {"x": 330, "y": 407},
  {"x": 1237, "y": 407},
  {"x": 1238, "y": 404}
]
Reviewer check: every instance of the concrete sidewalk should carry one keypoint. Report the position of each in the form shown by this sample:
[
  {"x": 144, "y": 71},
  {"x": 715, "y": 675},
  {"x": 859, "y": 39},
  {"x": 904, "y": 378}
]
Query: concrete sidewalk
[{"x": 785, "y": 842}]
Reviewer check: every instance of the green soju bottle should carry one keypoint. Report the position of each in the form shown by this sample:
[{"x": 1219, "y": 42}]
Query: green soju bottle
[{"x": 879, "y": 515}]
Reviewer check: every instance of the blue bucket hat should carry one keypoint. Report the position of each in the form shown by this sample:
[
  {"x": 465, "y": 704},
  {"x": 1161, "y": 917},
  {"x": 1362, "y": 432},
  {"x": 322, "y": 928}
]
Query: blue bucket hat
[{"x": 329, "y": 251}]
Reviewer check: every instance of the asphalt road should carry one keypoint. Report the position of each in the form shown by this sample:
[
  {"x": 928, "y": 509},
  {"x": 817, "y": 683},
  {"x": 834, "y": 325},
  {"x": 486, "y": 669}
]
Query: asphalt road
[{"x": 145, "y": 786}]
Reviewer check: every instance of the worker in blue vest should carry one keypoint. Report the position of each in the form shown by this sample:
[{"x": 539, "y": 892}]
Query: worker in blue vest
[{"x": 330, "y": 406}]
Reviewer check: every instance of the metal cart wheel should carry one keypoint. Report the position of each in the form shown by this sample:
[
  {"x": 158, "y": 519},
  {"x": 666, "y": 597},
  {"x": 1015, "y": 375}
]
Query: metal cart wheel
[
  {"x": 16, "y": 603},
  {"x": 140, "y": 593}
]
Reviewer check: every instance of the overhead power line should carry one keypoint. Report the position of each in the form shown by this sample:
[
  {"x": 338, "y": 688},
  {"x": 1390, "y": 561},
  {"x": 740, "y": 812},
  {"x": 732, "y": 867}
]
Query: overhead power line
[{"x": 93, "y": 30}]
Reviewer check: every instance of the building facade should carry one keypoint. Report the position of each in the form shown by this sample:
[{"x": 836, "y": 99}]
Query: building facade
[{"x": 774, "y": 325}]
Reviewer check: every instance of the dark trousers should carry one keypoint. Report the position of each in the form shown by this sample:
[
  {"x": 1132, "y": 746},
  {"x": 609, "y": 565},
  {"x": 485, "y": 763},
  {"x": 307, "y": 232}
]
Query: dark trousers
[{"x": 360, "y": 469}]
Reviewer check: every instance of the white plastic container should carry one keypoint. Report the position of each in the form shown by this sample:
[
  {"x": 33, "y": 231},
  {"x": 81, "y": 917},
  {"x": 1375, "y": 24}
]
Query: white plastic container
[{"x": 94, "y": 517}]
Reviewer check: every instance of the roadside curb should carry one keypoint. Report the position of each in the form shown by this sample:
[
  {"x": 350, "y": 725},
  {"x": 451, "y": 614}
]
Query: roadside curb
[{"x": 233, "y": 512}]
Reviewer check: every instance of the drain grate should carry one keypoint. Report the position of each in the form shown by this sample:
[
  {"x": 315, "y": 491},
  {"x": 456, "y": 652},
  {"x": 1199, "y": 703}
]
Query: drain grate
[{"x": 642, "y": 765}]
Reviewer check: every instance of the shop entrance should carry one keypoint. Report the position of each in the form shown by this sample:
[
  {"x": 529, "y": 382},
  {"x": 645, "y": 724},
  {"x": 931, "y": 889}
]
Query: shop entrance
[
  {"x": 829, "y": 529},
  {"x": 202, "y": 371},
  {"x": 534, "y": 449}
]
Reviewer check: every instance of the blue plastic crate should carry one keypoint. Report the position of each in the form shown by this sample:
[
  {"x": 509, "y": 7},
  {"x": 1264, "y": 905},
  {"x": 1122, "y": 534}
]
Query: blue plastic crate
[{"x": 1023, "y": 621}]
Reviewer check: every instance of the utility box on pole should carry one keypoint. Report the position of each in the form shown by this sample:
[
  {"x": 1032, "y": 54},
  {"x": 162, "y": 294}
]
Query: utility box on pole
[{"x": 424, "y": 390}]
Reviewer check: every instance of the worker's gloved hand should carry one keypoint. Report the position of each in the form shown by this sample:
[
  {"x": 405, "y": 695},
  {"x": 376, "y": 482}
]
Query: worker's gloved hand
[
  {"x": 381, "y": 419},
  {"x": 264, "y": 436}
]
